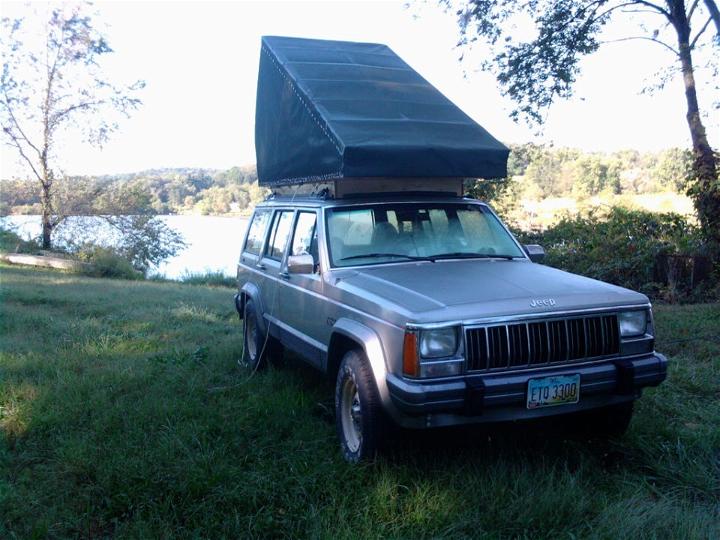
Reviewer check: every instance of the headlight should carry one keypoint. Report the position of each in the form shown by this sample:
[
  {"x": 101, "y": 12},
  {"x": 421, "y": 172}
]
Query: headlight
[
  {"x": 438, "y": 342},
  {"x": 633, "y": 323}
]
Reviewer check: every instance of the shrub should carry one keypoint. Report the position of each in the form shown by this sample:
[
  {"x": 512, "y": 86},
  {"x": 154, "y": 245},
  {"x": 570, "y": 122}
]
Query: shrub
[
  {"x": 214, "y": 279},
  {"x": 11, "y": 242},
  {"x": 106, "y": 262},
  {"x": 159, "y": 278},
  {"x": 619, "y": 245},
  {"x": 144, "y": 240}
]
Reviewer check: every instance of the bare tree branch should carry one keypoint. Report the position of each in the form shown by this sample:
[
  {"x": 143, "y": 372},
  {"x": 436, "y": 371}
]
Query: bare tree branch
[
  {"x": 56, "y": 117},
  {"x": 700, "y": 33},
  {"x": 6, "y": 103},
  {"x": 646, "y": 38},
  {"x": 620, "y": 6},
  {"x": 651, "y": 11},
  {"x": 17, "y": 144},
  {"x": 692, "y": 9},
  {"x": 656, "y": 8}
]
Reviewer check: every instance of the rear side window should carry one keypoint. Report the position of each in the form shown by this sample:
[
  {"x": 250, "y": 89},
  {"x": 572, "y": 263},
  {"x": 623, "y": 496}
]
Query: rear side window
[
  {"x": 256, "y": 233},
  {"x": 280, "y": 233}
]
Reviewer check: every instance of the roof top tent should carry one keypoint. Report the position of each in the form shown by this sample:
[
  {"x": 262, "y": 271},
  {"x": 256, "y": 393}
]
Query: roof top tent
[{"x": 331, "y": 111}]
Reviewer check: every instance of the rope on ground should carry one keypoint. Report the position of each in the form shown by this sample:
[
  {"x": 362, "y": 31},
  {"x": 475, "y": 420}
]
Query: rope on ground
[{"x": 240, "y": 362}]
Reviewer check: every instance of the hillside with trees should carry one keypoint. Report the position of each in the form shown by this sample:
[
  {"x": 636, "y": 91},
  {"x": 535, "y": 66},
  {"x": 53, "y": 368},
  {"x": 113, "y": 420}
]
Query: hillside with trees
[
  {"x": 170, "y": 191},
  {"x": 536, "y": 173}
]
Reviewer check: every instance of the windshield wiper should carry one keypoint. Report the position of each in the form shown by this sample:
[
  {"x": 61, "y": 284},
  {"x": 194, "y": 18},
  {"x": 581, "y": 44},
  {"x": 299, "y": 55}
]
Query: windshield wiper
[
  {"x": 466, "y": 255},
  {"x": 377, "y": 255}
]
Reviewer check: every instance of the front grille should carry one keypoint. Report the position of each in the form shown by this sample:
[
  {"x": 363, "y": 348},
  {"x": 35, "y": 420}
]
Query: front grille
[{"x": 535, "y": 343}]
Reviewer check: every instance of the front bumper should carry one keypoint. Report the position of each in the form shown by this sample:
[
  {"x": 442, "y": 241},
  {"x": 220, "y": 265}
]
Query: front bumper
[{"x": 501, "y": 396}]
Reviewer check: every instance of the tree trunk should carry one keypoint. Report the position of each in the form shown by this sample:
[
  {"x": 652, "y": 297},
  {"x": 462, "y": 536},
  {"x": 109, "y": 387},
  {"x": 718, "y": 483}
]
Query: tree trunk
[
  {"x": 46, "y": 183},
  {"x": 47, "y": 225},
  {"x": 706, "y": 191}
]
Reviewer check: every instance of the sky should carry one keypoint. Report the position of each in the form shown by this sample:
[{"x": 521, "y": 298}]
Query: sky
[{"x": 199, "y": 61}]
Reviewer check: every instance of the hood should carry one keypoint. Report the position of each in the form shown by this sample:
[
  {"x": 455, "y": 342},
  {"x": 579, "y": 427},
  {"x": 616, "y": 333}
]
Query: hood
[{"x": 472, "y": 289}]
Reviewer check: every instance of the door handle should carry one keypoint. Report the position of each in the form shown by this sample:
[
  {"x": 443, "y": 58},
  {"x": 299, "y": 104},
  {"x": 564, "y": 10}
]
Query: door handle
[
  {"x": 284, "y": 275},
  {"x": 260, "y": 266}
]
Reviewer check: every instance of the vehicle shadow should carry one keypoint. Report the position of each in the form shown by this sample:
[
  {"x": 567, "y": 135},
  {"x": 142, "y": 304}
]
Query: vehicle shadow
[
  {"x": 529, "y": 441},
  {"x": 563, "y": 439}
]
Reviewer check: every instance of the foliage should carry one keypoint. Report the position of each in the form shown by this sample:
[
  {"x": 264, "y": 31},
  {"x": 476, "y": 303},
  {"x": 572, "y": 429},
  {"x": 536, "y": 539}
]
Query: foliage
[
  {"x": 146, "y": 240},
  {"x": 620, "y": 246},
  {"x": 233, "y": 191},
  {"x": 143, "y": 241},
  {"x": 106, "y": 262},
  {"x": 546, "y": 182},
  {"x": 567, "y": 172},
  {"x": 126, "y": 416},
  {"x": 51, "y": 86},
  {"x": 503, "y": 195},
  {"x": 486, "y": 190},
  {"x": 536, "y": 67},
  {"x": 213, "y": 279},
  {"x": 116, "y": 217}
]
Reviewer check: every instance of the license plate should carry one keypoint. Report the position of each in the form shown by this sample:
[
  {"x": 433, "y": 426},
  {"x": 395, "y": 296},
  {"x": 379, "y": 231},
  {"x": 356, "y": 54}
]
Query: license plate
[{"x": 550, "y": 391}]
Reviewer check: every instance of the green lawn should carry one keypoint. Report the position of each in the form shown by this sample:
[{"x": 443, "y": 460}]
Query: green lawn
[{"x": 124, "y": 413}]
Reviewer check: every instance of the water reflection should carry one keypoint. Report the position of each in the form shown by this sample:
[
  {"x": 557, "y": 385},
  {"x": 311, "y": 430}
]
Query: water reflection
[{"x": 213, "y": 242}]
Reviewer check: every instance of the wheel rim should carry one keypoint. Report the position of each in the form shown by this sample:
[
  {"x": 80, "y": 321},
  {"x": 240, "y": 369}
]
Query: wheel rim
[
  {"x": 351, "y": 415},
  {"x": 251, "y": 338}
]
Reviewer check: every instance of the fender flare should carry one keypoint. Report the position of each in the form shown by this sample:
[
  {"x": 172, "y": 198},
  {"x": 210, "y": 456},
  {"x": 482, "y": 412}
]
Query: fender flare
[
  {"x": 251, "y": 291},
  {"x": 372, "y": 346}
]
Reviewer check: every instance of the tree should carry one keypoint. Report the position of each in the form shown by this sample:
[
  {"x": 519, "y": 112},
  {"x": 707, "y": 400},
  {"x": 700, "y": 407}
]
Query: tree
[
  {"x": 116, "y": 217},
  {"x": 52, "y": 83},
  {"x": 673, "y": 168},
  {"x": 537, "y": 71}
]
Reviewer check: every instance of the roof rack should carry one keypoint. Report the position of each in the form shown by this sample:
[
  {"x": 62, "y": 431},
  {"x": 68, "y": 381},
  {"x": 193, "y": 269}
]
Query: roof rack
[{"x": 297, "y": 192}]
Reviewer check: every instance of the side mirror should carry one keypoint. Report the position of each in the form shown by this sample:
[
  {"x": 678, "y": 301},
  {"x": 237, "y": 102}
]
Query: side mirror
[
  {"x": 535, "y": 252},
  {"x": 300, "y": 264}
]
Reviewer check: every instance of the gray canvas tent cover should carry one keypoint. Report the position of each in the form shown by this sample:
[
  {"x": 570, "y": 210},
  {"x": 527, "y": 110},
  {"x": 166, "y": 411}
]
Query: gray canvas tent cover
[{"x": 336, "y": 109}]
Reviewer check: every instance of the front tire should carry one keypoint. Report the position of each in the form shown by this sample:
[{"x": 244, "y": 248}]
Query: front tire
[{"x": 358, "y": 412}]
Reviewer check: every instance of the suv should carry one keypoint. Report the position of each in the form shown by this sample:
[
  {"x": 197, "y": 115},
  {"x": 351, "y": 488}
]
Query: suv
[{"x": 427, "y": 312}]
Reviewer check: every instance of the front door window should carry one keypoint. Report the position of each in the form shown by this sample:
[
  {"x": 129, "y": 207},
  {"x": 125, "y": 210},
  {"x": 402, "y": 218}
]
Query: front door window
[{"x": 280, "y": 234}]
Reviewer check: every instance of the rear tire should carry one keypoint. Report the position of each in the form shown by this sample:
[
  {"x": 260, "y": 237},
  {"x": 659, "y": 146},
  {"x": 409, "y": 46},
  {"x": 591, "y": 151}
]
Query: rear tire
[
  {"x": 359, "y": 418},
  {"x": 257, "y": 346}
]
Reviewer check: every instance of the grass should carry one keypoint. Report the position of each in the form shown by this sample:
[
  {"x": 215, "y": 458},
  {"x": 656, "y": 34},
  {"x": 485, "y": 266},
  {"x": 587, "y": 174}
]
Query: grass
[{"x": 124, "y": 414}]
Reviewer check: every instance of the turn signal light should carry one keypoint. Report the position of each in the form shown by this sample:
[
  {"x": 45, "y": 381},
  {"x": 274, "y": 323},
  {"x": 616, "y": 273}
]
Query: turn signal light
[{"x": 411, "y": 363}]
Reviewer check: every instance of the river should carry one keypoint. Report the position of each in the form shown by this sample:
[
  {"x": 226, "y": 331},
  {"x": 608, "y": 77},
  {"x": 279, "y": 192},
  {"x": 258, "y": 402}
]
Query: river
[{"x": 213, "y": 242}]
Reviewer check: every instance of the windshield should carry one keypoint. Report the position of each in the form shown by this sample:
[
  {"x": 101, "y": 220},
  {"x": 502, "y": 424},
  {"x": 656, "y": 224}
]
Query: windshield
[{"x": 396, "y": 232}]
